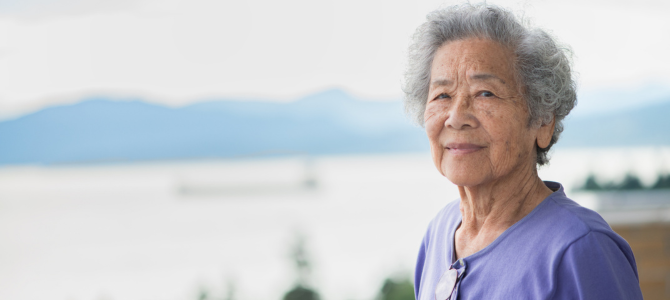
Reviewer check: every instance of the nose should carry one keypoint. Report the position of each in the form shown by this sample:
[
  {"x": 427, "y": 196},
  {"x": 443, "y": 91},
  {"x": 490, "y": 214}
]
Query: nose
[{"x": 460, "y": 115}]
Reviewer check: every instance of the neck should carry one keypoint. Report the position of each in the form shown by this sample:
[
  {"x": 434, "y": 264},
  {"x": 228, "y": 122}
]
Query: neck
[{"x": 489, "y": 209}]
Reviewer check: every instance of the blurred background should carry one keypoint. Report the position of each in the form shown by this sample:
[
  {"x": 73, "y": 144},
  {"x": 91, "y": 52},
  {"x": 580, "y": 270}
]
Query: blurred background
[{"x": 167, "y": 149}]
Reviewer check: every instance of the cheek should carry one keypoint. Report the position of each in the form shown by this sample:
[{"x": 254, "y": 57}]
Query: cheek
[
  {"x": 489, "y": 111},
  {"x": 511, "y": 137},
  {"x": 501, "y": 122},
  {"x": 434, "y": 118},
  {"x": 507, "y": 130}
]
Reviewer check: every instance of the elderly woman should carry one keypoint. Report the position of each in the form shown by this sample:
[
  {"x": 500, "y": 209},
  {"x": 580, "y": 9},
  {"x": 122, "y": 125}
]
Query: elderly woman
[{"x": 492, "y": 94}]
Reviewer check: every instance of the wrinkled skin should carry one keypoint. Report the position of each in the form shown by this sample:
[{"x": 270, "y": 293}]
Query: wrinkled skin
[{"x": 478, "y": 126}]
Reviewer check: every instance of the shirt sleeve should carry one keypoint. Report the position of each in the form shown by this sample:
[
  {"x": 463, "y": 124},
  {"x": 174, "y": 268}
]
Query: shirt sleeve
[
  {"x": 596, "y": 267},
  {"x": 418, "y": 271}
]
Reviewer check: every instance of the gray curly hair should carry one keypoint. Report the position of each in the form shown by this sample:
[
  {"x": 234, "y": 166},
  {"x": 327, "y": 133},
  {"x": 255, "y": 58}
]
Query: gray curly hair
[{"x": 543, "y": 66}]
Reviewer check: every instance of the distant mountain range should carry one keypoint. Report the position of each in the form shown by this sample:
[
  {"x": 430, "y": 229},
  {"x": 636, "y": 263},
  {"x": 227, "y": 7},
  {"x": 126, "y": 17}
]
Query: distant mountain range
[
  {"x": 644, "y": 126},
  {"x": 332, "y": 122},
  {"x": 100, "y": 130}
]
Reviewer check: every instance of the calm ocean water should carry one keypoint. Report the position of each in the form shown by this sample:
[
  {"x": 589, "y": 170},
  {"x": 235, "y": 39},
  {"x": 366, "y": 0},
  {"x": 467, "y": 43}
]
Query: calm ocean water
[{"x": 165, "y": 230}]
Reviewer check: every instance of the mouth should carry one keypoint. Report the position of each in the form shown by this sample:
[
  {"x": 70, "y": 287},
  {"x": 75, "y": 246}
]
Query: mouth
[{"x": 462, "y": 148}]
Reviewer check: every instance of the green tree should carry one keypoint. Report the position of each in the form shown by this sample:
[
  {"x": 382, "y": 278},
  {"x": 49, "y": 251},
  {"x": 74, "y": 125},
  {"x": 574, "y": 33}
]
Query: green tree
[
  {"x": 591, "y": 184},
  {"x": 396, "y": 289},
  {"x": 630, "y": 182},
  {"x": 301, "y": 290},
  {"x": 301, "y": 293},
  {"x": 663, "y": 182}
]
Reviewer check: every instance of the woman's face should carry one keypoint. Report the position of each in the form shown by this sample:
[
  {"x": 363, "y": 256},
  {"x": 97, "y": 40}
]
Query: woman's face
[{"x": 476, "y": 118}]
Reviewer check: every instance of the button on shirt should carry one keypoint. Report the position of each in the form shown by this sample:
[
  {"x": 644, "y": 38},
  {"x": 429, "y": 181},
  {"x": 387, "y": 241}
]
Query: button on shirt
[{"x": 560, "y": 250}]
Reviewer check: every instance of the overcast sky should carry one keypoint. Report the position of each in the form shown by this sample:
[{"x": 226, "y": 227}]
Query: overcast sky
[{"x": 176, "y": 52}]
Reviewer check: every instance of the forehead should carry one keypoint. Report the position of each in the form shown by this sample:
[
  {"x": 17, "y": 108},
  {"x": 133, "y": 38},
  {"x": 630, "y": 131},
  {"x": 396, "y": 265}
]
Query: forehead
[{"x": 473, "y": 55}]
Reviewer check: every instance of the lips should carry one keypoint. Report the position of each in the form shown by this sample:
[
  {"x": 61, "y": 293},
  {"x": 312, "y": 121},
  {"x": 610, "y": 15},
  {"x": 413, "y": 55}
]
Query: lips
[{"x": 462, "y": 148}]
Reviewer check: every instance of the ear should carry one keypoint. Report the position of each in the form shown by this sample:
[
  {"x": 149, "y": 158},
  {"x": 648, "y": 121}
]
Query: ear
[{"x": 544, "y": 134}]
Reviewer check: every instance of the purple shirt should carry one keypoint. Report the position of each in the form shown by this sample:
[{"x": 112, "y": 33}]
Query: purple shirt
[{"x": 558, "y": 251}]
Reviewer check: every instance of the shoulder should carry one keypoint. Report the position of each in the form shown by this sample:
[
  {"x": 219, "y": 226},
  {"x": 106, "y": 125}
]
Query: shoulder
[
  {"x": 568, "y": 220},
  {"x": 580, "y": 220},
  {"x": 596, "y": 266},
  {"x": 559, "y": 222},
  {"x": 592, "y": 257}
]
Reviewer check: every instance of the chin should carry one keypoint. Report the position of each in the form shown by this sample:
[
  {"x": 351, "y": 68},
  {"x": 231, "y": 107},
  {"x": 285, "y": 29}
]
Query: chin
[{"x": 462, "y": 175}]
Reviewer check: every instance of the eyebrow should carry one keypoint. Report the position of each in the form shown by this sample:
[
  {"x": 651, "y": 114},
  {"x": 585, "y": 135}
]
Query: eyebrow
[
  {"x": 442, "y": 82},
  {"x": 487, "y": 76}
]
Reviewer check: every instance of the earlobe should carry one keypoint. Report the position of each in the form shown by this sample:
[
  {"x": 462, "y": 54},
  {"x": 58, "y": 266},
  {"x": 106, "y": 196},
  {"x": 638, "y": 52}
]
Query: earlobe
[{"x": 545, "y": 133}]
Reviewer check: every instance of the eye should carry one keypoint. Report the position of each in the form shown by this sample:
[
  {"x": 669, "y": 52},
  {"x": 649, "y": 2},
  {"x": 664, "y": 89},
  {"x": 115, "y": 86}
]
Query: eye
[
  {"x": 486, "y": 94},
  {"x": 443, "y": 96}
]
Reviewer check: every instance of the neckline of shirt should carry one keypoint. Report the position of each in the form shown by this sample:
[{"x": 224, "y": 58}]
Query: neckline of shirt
[{"x": 550, "y": 184}]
